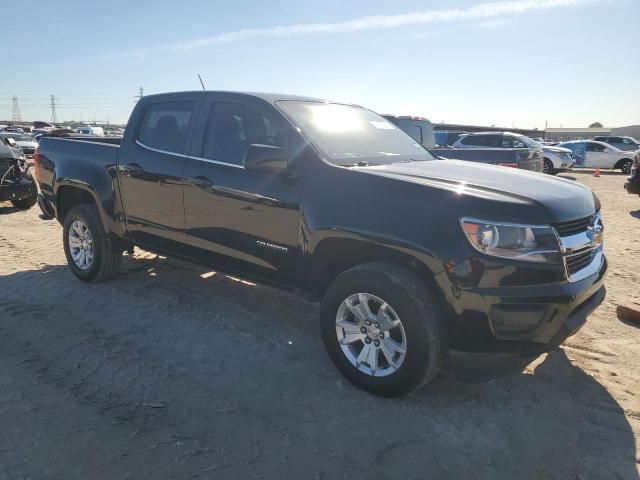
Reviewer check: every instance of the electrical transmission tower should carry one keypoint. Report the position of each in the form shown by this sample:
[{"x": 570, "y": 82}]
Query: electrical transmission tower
[
  {"x": 54, "y": 116},
  {"x": 15, "y": 114}
]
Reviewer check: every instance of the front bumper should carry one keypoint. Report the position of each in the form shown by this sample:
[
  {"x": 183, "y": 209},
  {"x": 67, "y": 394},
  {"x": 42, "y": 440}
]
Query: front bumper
[
  {"x": 523, "y": 320},
  {"x": 17, "y": 190}
]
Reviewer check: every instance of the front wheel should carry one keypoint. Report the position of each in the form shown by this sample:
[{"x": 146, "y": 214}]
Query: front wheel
[
  {"x": 382, "y": 328},
  {"x": 547, "y": 167},
  {"x": 92, "y": 256},
  {"x": 29, "y": 201},
  {"x": 625, "y": 166}
]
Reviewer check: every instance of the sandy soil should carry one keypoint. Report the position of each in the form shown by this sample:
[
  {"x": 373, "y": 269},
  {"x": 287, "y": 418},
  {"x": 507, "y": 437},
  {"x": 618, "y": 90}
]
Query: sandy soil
[{"x": 171, "y": 371}]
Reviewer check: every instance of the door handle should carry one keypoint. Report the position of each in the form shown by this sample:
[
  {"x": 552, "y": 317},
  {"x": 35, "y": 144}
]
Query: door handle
[
  {"x": 202, "y": 182},
  {"x": 131, "y": 169}
]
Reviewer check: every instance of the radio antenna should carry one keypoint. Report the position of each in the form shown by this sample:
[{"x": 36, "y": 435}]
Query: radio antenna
[{"x": 201, "y": 82}]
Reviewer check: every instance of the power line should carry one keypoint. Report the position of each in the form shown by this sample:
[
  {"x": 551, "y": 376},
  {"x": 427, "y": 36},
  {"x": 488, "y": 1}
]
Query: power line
[{"x": 15, "y": 113}]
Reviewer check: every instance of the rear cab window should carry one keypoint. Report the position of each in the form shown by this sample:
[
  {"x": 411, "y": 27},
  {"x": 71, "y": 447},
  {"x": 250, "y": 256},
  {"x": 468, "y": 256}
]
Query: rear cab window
[{"x": 165, "y": 125}]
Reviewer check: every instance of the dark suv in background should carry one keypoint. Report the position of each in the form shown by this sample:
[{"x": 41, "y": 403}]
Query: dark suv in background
[{"x": 628, "y": 144}]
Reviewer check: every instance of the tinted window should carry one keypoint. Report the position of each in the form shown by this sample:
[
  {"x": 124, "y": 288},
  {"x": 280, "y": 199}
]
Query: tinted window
[
  {"x": 512, "y": 142},
  {"x": 235, "y": 126},
  {"x": 477, "y": 140},
  {"x": 493, "y": 141},
  {"x": 595, "y": 147},
  {"x": 165, "y": 125}
]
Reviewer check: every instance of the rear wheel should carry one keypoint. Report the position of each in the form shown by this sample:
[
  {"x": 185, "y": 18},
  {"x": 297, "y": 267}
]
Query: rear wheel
[
  {"x": 92, "y": 256},
  {"x": 547, "y": 167},
  {"x": 381, "y": 326}
]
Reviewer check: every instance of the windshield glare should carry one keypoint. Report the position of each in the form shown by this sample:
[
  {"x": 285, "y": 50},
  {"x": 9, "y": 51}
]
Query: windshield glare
[{"x": 349, "y": 135}]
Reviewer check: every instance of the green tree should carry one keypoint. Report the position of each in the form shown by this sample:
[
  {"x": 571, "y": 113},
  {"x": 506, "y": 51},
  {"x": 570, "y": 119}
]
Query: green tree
[{"x": 596, "y": 125}]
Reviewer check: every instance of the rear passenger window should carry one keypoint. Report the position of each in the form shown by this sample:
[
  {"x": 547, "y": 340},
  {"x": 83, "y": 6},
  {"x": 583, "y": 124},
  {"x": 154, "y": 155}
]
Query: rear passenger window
[
  {"x": 165, "y": 125},
  {"x": 233, "y": 127},
  {"x": 477, "y": 140}
]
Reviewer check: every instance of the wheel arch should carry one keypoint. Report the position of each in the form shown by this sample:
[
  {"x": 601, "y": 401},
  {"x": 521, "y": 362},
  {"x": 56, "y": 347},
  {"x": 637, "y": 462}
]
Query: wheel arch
[
  {"x": 621, "y": 161},
  {"x": 333, "y": 256},
  {"x": 71, "y": 195}
]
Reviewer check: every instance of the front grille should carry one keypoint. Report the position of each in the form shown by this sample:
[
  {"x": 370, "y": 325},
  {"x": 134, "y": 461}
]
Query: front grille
[
  {"x": 573, "y": 227},
  {"x": 578, "y": 261},
  {"x": 28, "y": 150}
]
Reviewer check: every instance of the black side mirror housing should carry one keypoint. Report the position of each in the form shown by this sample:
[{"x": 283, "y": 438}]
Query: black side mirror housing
[{"x": 265, "y": 159}]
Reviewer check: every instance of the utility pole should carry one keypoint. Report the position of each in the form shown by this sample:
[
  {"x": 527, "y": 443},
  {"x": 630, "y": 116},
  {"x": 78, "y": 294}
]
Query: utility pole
[
  {"x": 15, "y": 114},
  {"x": 140, "y": 92},
  {"x": 54, "y": 116}
]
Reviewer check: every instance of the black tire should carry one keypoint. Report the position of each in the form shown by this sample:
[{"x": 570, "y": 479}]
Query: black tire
[
  {"x": 107, "y": 255},
  {"x": 625, "y": 166},
  {"x": 30, "y": 201},
  {"x": 419, "y": 311},
  {"x": 547, "y": 167}
]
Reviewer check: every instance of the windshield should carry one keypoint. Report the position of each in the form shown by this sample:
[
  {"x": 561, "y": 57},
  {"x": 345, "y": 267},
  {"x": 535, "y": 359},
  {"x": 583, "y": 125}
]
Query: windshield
[
  {"x": 529, "y": 142},
  {"x": 18, "y": 137},
  {"x": 350, "y": 135}
]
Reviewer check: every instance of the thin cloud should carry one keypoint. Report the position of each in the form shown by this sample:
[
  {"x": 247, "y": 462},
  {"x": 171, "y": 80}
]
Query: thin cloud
[
  {"x": 379, "y": 22},
  {"x": 491, "y": 24}
]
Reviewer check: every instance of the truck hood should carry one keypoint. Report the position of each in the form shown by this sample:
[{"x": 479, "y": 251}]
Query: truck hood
[{"x": 552, "y": 199}]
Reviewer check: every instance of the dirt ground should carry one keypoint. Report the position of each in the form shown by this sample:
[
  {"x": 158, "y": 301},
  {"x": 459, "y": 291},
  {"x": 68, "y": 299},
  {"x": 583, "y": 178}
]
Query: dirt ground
[{"x": 171, "y": 371}]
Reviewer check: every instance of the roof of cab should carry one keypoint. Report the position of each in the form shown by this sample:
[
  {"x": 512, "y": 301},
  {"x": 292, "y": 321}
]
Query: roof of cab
[{"x": 268, "y": 97}]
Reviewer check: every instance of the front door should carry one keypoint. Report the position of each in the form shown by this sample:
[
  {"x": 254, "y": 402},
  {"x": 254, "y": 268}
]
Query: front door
[
  {"x": 151, "y": 173},
  {"x": 241, "y": 220},
  {"x": 598, "y": 155}
]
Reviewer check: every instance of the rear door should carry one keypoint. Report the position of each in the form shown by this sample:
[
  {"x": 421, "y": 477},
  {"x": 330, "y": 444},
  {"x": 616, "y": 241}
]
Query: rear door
[
  {"x": 151, "y": 168},
  {"x": 236, "y": 219}
]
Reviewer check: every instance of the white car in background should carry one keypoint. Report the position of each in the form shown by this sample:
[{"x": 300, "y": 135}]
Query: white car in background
[
  {"x": 24, "y": 141},
  {"x": 592, "y": 154}
]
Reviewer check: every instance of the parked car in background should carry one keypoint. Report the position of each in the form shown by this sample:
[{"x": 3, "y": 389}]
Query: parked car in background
[
  {"x": 529, "y": 154},
  {"x": 412, "y": 258},
  {"x": 447, "y": 138},
  {"x": 88, "y": 130},
  {"x": 16, "y": 183},
  {"x": 25, "y": 142},
  {"x": 13, "y": 129},
  {"x": 622, "y": 143},
  {"x": 418, "y": 128},
  {"x": 554, "y": 159},
  {"x": 592, "y": 154}
]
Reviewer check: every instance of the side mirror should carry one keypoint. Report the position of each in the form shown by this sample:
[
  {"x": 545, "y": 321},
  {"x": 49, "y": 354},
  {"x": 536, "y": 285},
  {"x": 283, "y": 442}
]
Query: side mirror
[
  {"x": 11, "y": 142},
  {"x": 265, "y": 159}
]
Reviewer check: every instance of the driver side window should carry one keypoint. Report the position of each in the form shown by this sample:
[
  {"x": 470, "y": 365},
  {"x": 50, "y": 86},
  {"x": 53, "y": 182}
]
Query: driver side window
[{"x": 233, "y": 127}]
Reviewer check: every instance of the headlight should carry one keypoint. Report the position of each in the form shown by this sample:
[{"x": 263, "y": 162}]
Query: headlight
[{"x": 530, "y": 243}]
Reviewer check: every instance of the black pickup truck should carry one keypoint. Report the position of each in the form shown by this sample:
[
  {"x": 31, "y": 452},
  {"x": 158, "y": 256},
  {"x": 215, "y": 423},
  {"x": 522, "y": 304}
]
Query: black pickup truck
[{"x": 415, "y": 260}]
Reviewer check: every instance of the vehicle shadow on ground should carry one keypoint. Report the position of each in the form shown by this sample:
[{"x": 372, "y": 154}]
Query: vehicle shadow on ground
[
  {"x": 240, "y": 369},
  {"x": 635, "y": 213},
  {"x": 7, "y": 207}
]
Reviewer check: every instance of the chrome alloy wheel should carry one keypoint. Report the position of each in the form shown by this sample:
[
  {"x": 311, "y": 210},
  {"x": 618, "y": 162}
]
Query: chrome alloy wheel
[
  {"x": 81, "y": 245},
  {"x": 371, "y": 334}
]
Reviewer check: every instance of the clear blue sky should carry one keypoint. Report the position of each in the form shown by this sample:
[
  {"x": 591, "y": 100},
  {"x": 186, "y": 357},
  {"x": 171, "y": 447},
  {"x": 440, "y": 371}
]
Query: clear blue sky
[{"x": 568, "y": 62}]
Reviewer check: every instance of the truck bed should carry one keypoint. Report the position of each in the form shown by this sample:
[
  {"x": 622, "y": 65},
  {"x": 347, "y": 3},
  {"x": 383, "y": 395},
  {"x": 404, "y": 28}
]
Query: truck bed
[{"x": 76, "y": 155}]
